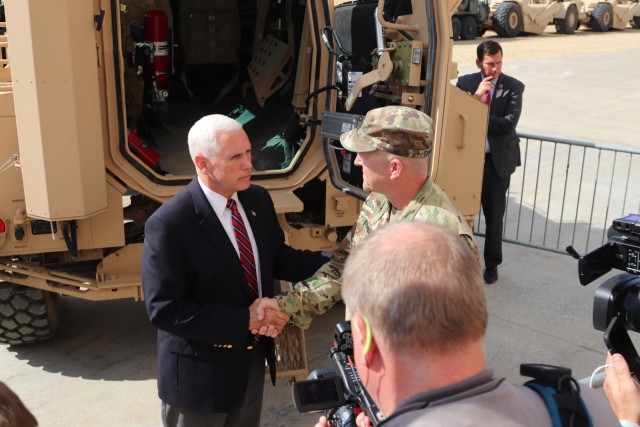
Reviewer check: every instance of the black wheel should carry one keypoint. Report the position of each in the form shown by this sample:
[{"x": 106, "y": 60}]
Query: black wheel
[
  {"x": 27, "y": 315},
  {"x": 469, "y": 28},
  {"x": 635, "y": 22},
  {"x": 569, "y": 24},
  {"x": 456, "y": 26},
  {"x": 601, "y": 18},
  {"x": 507, "y": 20},
  {"x": 464, "y": 5},
  {"x": 481, "y": 31}
]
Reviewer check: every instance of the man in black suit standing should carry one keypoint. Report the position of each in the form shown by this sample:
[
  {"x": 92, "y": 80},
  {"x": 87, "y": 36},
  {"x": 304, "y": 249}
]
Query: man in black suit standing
[
  {"x": 503, "y": 94},
  {"x": 210, "y": 254}
]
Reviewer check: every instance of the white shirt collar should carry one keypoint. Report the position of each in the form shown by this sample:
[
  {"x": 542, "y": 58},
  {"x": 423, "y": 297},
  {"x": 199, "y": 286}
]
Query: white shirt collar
[{"x": 217, "y": 201}]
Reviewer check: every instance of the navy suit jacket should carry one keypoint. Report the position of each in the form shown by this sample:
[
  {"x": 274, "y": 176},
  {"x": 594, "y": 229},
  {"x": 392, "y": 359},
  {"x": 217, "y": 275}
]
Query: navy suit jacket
[
  {"x": 506, "y": 106},
  {"x": 197, "y": 296}
]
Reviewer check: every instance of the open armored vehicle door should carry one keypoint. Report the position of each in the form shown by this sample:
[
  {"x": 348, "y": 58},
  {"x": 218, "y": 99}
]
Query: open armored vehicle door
[{"x": 408, "y": 46}]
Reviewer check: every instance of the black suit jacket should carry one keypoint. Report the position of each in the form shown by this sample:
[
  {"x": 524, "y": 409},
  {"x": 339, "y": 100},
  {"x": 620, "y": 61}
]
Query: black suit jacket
[
  {"x": 506, "y": 106},
  {"x": 197, "y": 296}
]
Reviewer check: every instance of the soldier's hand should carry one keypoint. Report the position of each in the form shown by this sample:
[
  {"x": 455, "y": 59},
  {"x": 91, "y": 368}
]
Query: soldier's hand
[
  {"x": 273, "y": 323},
  {"x": 265, "y": 317}
]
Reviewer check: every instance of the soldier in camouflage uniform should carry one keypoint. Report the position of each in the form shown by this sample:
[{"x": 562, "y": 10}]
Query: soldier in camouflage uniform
[{"x": 394, "y": 146}]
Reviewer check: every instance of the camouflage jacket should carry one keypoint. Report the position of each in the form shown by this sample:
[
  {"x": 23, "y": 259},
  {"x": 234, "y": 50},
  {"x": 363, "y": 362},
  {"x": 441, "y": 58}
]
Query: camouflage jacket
[{"x": 319, "y": 293}]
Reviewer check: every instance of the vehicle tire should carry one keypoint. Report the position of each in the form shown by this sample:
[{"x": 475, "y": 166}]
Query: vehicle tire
[
  {"x": 469, "y": 28},
  {"x": 27, "y": 315},
  {"x": 635, "y": 22},
  {"x": 569, "y": 24},
  {"x": 464, "y": 5},
  {"x": 481, "y": 31},
  {"x": 456, "y": 26},
  {"x": 601, "y": 18},
  {"x": 507, "y": 20}
]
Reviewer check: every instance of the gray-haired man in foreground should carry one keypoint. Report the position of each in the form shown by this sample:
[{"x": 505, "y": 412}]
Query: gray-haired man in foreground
[{"x": 419, "y": 317}]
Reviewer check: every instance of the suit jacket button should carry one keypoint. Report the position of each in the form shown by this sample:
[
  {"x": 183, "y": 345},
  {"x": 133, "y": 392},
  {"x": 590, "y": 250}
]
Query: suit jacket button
[{"x": 250, "y": 347}]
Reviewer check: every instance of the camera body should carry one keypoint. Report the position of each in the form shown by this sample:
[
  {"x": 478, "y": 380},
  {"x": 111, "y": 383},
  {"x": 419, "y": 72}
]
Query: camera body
[
  {"x": 339, "y": 391},
  {"x": 616, "y": 304},
  {"x": 621, "y": 252}
]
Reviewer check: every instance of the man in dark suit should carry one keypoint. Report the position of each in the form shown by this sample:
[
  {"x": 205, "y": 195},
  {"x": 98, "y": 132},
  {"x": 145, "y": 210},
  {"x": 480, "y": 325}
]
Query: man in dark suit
[
  {"x": 503, "y": 94},
  {"x": 210, "y": 368}
]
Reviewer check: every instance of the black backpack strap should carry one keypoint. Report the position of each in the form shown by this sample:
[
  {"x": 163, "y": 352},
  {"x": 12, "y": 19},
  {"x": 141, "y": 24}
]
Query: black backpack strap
[{"x": 560, "y": 393}]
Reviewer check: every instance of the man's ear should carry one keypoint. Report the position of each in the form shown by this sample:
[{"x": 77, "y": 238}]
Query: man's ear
[
  {"x": 395, "y": 168},
  {"x": 365, "y": 338},
  {"x": 201, "y": 162}
]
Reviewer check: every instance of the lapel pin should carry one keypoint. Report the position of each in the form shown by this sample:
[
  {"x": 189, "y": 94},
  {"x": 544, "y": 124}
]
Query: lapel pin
[{"x": 253, "y": 213}]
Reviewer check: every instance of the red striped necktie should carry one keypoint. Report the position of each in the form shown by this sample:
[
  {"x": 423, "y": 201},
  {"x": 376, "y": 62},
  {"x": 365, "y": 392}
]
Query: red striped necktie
[
  {"x": 486, "y": 98},
  {"x": 247, "y": 259}
]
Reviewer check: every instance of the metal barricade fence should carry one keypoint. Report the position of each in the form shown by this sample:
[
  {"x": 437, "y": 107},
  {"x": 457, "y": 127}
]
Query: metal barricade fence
[{"x": 568, "y": 193}]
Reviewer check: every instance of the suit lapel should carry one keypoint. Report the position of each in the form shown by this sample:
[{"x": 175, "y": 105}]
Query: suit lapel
[
  {"x": 212, "y": 228},
  {"x": 498, "y": 90}
]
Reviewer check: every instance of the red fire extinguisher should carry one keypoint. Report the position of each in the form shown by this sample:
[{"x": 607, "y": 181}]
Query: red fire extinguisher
[{"x": 156, "y": 31}]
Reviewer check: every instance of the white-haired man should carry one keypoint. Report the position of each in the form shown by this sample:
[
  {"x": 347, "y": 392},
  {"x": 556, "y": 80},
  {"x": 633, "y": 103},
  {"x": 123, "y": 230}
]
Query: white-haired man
[{"x": 210, "y": 254}]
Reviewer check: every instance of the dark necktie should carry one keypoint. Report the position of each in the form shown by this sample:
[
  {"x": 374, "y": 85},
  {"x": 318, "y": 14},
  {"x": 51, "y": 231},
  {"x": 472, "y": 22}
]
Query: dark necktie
[{"x": 247, "y": 259}]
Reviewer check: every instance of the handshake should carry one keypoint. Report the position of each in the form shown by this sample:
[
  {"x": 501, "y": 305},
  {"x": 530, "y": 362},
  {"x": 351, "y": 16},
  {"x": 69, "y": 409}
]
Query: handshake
[{"x": 265, "y": 317}]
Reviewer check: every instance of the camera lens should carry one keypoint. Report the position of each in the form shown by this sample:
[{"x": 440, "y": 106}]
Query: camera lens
[{"x": 631, "y": 310}]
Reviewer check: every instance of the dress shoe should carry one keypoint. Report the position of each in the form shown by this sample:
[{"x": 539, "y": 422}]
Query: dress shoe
[{"x": 490, "y": 275}]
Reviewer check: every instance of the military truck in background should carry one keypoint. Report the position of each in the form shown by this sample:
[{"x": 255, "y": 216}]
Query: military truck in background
[
  {"x": 471, "y": 19},
  {"x": 512, "y": 17},
  {"x": 97, "y": 96}
]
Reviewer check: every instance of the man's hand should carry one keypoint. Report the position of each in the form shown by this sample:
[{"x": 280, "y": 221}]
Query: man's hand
[
  {"x": 621, "y": 390},
  {"x": 322, "y": 422},
  {"x": 362, "y": 420},
  {"x": 484, "y": 86},
  {"x": 265, "y": 317}
]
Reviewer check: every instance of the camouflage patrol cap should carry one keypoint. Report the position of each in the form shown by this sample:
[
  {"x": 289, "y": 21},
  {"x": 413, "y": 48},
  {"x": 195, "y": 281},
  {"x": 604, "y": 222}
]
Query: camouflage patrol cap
[{"x": 395, "y": 129}]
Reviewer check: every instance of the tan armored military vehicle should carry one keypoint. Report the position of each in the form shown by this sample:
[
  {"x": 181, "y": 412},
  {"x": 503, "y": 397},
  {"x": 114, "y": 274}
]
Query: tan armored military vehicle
[
  {"x": 97, "y": 96},
  {"x": 510, "y": 18}
]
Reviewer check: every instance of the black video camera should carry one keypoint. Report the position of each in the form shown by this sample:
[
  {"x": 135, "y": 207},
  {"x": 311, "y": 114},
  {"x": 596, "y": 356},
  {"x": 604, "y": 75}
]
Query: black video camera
[
  {"x": 337, "y": 391},
  {"x": 621, "y": 252},
  {"x": 616, "y": 305}
]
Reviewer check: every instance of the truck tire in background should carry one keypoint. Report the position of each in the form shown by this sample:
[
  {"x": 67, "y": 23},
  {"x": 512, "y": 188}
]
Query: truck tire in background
[
  {"x": 470, "y": 19},
  {"x": 456, "y": 27},
  {"x": 635, "y": 22},
  {"x": 570, "y": 23},
  {"x": 507, "y": 20},
  {"x": 601, "y": 18},
  {"x": 27, "y": 315},
  {"x": 469, "y": 28}
]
